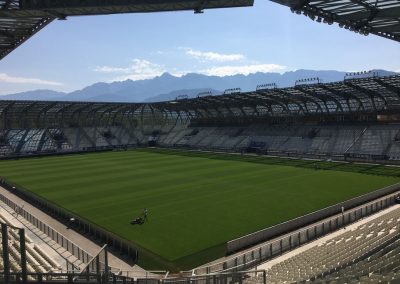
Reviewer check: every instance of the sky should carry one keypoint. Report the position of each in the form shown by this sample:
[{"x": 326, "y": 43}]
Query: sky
[{"x": 72, "y": 54}]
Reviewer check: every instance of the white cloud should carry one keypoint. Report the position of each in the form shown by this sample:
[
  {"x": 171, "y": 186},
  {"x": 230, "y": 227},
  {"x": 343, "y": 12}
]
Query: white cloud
[
  {"x": 243, "y": 69},
  {"x": 22, "y": 80},
  {"x": 140, "y": 69},
  {"x": 108, "y": 69},
  {"x": 213, "y": 56}
]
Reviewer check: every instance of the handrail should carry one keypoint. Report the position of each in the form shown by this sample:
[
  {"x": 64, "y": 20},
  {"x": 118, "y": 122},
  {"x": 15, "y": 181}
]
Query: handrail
[
  {"x": 268, "y": 243},
  {"x": 25, "y": 213}
]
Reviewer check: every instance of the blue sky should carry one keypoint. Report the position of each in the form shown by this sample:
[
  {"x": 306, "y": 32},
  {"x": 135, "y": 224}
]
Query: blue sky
[{"x": 69, "y": 55}]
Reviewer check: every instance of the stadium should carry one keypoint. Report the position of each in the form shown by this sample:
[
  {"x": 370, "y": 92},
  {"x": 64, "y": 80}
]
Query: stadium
[{"x": 276, "y": 185}]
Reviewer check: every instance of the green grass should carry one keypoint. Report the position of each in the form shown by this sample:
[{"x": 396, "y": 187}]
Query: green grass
[{"x": 196, "y": 201}]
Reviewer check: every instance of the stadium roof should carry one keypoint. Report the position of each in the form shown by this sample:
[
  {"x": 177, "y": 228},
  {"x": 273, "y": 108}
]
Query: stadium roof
[
  {"x": 21, "y": 19},
  {"x": 379, "y": 17},
  {"x": 375, "y": 94},
  {"x": 353, "y": 96}
]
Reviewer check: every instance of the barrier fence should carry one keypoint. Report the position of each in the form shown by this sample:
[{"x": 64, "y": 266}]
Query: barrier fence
[
  {"x": 300, "y": 222},
  {"x": 280, "y": 245},
  {"x": 14, "y": 257},
  {"x": 98, "y": 264},
  {"x": 70, "y": 278},
  {"x": 71, "y": 247},
  {"x": 145, "y": 274},
  {"x": 253, "y": 277},
  {"x": 98, "y": 234},
  {"x": 12, "y": 234},
  {"x": 83, "y": 150},
  {"x": 14, "y": 264}
]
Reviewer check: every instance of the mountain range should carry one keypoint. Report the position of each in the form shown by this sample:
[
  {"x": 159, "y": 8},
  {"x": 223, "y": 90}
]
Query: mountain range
[{"x": 168, "y": 87}]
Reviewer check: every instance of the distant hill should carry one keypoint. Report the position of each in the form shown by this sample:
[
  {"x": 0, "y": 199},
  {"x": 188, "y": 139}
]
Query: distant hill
[
  {"x": 167, "y": 86},
  {"x": 35, "y": 95}
]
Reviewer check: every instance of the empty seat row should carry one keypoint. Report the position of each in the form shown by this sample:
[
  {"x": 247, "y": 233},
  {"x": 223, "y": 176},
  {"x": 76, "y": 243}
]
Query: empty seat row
[
  {"x": 38, "y": 261},
  {"x": 351, "y": 254}
]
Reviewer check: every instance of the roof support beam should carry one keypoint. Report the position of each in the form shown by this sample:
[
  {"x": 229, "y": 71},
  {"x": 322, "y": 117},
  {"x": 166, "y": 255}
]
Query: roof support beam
[
  {"x": 20, "y": 19},
  {"x": 19, "y": 39},
  {"x": 371, "y": 94},
  {"x": 333, "y": 98},
  {"x": 392, "y": 88},
  {"x": 47, "y": 8},
  {"x": 379, "y": 17}
]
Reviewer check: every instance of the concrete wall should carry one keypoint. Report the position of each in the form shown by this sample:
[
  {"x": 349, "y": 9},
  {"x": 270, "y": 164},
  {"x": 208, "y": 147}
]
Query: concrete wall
[
  {"x": 370, "y": 203},
  {"x": 274, "y": 231},
  {"x": 101, "y": 236}
]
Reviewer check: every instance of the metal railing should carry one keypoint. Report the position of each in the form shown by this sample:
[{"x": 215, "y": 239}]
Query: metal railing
[
  {"x": 251, "y": 277},
  {"x": 115, "y": 243},
  {"x": 59, "y": 238},
  {"x": 70, "y": 278},
  {"x": 243, "y": 277},
  {"x": 280, "y": 245}
]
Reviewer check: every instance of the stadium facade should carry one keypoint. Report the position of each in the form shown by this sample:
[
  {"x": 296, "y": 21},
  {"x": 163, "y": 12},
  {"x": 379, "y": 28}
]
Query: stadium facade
[{"x": 357, "y": 118}]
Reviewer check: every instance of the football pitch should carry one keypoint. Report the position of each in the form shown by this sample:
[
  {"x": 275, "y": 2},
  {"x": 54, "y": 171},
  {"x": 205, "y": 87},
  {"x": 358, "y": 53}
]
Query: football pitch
[{"x": 196, "y": 202}]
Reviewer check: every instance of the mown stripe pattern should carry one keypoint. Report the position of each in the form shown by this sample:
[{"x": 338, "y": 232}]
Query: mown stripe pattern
[{"x": 195, "y": 204}]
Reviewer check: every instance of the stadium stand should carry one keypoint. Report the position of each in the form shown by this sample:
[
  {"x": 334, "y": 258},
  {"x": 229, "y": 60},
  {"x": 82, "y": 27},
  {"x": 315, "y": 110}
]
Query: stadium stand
[
  {"x": 38, "y": 261},
  {"x": 368, "y": 139},
  {"x": 365, "y": 254},
  {"x": 57, "y": 257},
  {"x": 356, "y": 118},
  {"x": 36, "y": 253}
]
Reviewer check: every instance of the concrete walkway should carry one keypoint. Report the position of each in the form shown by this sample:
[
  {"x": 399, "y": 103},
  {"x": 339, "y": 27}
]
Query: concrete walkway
[
  {"x": 244, "y": 251},
  {"x": 83, "y": 242},
  {"x": 35, "y": 236}
]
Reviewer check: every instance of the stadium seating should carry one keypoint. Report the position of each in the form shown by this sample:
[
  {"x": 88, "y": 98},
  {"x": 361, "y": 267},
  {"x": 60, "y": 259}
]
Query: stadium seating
[
  {"x": 38, "y": 261},
  {"x": 365, "y": 254},
  {"x": 379, "y": 266},
  {"x": 309, "y": 139},
  {"x": 357, "y": 139},
  {"x": 66, "y": 139},
  {"x": 376, "y": 140}
]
